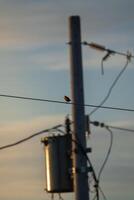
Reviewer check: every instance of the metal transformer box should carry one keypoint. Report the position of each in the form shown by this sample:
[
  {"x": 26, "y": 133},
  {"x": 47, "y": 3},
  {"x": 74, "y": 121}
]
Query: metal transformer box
[{"x": 58, "y": 163}]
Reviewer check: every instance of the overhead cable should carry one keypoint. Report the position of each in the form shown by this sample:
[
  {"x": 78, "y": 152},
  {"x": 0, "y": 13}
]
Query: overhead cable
[
  {"x": 111, "y": 88},
  {"x": 104, "y": 196},
  {"x": 122, "y": 129},
  {"x": 29, "y": 137},
  {"x": 101, "y": 124},
  {"x": 103, "y": 48},
  {"x": 108, "y": 153},
  {"x": 67, "y": 103},
  {"x": 77, "y": 142}
]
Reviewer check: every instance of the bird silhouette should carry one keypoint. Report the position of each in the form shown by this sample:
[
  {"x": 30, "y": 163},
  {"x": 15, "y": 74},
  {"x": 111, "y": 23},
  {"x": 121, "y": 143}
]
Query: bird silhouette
[{"x": 67, "y": 99}]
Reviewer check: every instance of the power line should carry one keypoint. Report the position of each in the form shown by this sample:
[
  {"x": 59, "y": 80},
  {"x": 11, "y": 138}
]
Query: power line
[
  {"x": 29, "y": 137},
  {"x": 104, "y": 196},
  {"x": 109, "y": 52},
  {"x": 111, "y": 88},
  {"x": 101, "y": 124},
  {"x": 122, "y": 129},
  {"x": 108, "y": 127},
  {"x": 103, "y": 48},
  {"x": 63, "y": 102},
  {"x": 90, "y": 164},
  {"x": 95, "y": 123},
  {"x": 97, "y": 186},
  {"x": 108, "y": 153},
  {"x": 32, "y": 99}
]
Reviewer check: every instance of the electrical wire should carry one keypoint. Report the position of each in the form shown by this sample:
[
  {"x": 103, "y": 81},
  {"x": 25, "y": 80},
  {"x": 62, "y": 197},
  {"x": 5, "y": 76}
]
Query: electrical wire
[
  {"x": 104, "y": 196},
  {"x": 29, "y": 137},
  {"x": 101, "y": 124},
  {"x": 111, "y": 88},
  {"x": 103, "y": 48},
  {"x": 33, "y": 99},
  {"x": 79, "y": 145},
  {"x": 108, "y": 127},
  {"x": 97, "y": 182},
  {"x": 111, "y": 108},
  {"x": 88, "y": 160},
  {"x": 69, "y": 103},
  {"x": 90, "y": 164},
  {"x": 108, "y": 54},
  {"x": 96, "y": 123},
  {"x": 108, "y": 153},
  {"x": 122, "y": 129}
]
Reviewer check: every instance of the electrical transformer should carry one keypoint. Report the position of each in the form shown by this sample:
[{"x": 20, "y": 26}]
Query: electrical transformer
[{"x": 58, "y": 163}]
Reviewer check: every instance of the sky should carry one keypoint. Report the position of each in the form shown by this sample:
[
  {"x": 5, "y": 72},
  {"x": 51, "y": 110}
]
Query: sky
[{"x": 34, "y": 62}]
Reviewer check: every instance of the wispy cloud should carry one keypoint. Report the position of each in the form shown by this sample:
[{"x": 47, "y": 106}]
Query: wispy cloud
[
  {"x": 33, "y": 39},
  {"x": 38, "y": 23},
  {"x": 24, "y": 128},
  {"x": 28, "y": 26}
]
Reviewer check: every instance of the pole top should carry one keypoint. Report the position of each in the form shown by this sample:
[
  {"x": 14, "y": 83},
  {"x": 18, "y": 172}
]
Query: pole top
[{"x": 77, "y": 17}]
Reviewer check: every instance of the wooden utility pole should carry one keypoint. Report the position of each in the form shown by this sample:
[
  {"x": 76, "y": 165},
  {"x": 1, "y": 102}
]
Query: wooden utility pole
[{"x": 80, "y": 173}]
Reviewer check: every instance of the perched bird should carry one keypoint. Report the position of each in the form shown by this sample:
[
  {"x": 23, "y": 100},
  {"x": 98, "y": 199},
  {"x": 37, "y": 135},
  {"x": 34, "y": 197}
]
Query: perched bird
[{"x": 67, "y": 99}]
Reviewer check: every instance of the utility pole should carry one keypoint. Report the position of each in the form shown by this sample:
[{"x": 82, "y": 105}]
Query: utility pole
[{"x": 80, "y": 173}]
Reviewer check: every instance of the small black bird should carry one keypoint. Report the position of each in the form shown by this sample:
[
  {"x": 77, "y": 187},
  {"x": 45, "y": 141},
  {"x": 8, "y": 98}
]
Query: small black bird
[{"x": 67, "y": 99}]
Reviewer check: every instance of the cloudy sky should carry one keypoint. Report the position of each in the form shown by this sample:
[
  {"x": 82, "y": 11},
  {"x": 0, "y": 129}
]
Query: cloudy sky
[{"x": 34, "y": 62}]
